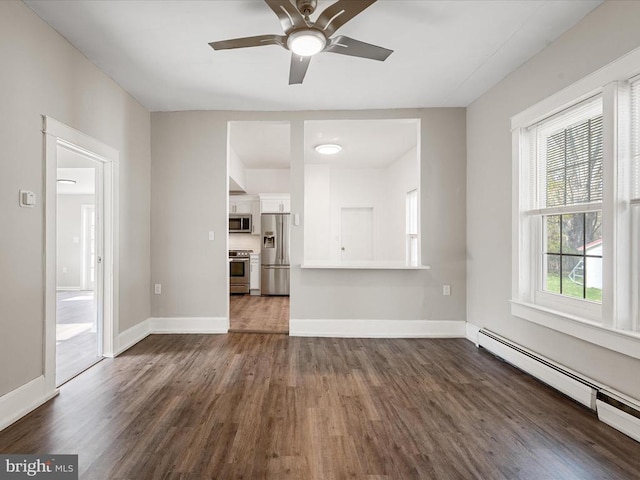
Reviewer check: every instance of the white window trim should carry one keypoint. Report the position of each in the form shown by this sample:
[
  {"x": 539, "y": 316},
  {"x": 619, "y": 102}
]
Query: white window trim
[{"x": 611, "y": 82}]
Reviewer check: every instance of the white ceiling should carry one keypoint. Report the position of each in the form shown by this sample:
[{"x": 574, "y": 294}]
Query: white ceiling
[
  {"x": 74, "y": 166},
  {"x": 365, "y": 143},
  {"x": 446, "y": 53},
  {"x": 85, "y": 181},
  {"x": 261, "y": 144}
]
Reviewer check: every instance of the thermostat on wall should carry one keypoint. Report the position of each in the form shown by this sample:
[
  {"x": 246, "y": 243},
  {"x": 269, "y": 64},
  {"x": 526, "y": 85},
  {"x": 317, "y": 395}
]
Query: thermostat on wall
[{"x": 27, "y": 198}]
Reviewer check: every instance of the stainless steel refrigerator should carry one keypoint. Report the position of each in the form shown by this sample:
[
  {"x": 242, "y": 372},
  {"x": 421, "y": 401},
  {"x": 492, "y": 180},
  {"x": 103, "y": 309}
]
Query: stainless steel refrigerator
[{"x": 275, "y": 254}]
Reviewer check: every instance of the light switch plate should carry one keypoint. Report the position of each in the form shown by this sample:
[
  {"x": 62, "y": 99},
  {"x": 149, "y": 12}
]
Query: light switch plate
[{"x": 212, "y": 235}]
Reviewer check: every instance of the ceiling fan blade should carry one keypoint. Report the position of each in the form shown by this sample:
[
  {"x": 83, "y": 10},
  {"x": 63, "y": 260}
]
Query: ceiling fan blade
[
  {"x": 298, "y": 70},
  {"x": 350, "y": 46},
  {"x": 257, "y": 41},
  {"x": 340, "y": 13},
  {"x": 289, "y": 15}
]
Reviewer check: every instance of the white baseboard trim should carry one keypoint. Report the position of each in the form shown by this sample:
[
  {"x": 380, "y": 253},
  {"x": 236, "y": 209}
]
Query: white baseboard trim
[
  {"x": 177, "y": 325},
  {"x": 621, "y": 421},
  {"x": 472, "y": 333},
  {"x": 19, "y": 402},
  {"x": 68, "y": 289},
  {"x": 362, "y": 328},
  {"x": 189, "y": 325},
  {"x": 130, "y": 337}
]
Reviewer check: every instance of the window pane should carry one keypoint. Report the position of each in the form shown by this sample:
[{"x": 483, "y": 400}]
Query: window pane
[
  {"x": 552, "y": 235},
  {"x": 555, "y": 187},
  {"x": 552, "y": 269},
  {"x": 577, "y": 184},
  {"x": 413, "y": 251},
  {"x": 593, "y": 233},
  {"x": 573, "y": 233},
  {"x": 577, "y": 143},
  {"x": 594, "y": 279},
  {"x": 573, "y": 277},
  {"x": 412, "y": 212},
  {"x": 635, "y": 139},
  {"x": 573, "y": 164}
]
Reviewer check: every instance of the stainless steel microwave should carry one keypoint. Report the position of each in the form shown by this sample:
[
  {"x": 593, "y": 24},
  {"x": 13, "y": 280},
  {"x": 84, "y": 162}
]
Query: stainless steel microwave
[{"x": 240, "y": 223}]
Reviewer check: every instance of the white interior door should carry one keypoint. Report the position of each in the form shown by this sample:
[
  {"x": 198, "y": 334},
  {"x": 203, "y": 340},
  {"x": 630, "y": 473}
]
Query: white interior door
[
  {"x": 356, "y": 234},
  {"x": 79, "y": 295}
]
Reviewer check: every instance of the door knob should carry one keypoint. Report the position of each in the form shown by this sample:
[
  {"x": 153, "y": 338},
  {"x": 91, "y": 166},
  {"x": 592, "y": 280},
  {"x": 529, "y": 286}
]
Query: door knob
[{"x": 342, "y": 249}]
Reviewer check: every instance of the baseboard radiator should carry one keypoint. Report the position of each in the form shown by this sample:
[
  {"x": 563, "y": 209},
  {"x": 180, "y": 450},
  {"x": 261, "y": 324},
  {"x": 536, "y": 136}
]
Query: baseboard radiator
[{"x": 614, "y": 409}]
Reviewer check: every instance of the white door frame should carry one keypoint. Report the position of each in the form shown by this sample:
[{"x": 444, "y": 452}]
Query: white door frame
[
  {"x": 58, "y": 134},
  {"x": 85, "y": 241}
]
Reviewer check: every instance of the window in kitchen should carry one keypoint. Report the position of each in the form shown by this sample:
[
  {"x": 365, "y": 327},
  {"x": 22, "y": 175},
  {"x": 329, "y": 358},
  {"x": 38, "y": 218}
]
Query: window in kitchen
[
  {"x": 412, "y": 227},
  {"x": 576, "y": 209}
]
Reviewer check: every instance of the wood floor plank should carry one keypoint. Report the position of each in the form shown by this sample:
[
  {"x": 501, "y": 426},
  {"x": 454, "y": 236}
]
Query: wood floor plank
[
  {"x": 271, "y": 406},
  {"x": 256, "y": 314}
]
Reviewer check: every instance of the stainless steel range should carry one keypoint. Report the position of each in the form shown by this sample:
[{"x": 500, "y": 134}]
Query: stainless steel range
[{"x": 239, "y": 271}]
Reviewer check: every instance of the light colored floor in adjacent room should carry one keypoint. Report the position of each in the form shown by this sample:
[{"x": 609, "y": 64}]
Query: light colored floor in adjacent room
[
  {"x": 76, "y": 336},
  {"x": 255, "y": 314}
]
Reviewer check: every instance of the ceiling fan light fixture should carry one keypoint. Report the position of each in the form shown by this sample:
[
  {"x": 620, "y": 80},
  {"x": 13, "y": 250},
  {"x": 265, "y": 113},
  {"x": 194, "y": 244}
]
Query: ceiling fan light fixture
[
  {"x": 306, "y": 43},
  {"x": 66, "y": 181},
  {"x": 328, "y": 148}
]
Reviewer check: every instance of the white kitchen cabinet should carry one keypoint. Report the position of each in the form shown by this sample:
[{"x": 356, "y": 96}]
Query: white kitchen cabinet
[
  {"x": 275, "y": 204},
  {"x": 255, "y": 273},
  {"x": 239, "y": 206}
]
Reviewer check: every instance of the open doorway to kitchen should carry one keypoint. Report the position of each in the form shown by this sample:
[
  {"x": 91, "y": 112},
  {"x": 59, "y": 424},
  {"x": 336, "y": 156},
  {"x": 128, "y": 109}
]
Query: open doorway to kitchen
[
  {"x": 78, "y": 256},
  {"x": 258, "y": 155}
]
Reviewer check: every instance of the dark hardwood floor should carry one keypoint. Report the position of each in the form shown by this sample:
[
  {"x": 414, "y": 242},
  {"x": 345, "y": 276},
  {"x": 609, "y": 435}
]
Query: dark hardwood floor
[
  {"x": 271, "y": 406},
  {"x": 255, "y": 314}
]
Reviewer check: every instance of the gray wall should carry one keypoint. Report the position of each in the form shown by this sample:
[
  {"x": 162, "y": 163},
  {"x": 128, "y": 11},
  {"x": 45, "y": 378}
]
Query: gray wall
[
  {"x": 189, "y": 198},
  {"x": 604, "y": 35},
  {"x": 43, "y": 74}
]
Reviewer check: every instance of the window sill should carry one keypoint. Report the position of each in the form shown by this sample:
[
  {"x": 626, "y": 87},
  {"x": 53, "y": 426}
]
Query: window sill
[
  {"x": 373, "y": 265},
  {"x": 624, "y": 342}
]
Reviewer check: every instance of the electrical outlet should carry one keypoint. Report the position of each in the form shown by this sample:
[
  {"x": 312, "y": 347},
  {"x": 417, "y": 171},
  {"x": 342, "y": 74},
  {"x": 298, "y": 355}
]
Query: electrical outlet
[
  {"x": 158, "y": 288},
  {"x": 446, "y": 289}
]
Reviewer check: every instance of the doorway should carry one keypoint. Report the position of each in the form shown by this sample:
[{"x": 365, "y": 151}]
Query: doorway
[
  {"x": 258, "y": 162},
  {"x": 356, "y": 234},
  {"x": 79, "y": 295},
  {"x": 81, "y": 262}
]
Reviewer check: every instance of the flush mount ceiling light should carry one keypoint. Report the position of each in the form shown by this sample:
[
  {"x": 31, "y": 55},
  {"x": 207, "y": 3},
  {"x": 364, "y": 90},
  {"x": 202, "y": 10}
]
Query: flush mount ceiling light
[
  {"x": 328, "y": 148},
  {"x": 306, "y": 43},
  {"x": 66, "y": 181}
]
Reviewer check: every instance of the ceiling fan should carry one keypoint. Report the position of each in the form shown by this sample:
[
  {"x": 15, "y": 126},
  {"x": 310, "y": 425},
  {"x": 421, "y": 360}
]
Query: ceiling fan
[{"x": 306, "y": 38}]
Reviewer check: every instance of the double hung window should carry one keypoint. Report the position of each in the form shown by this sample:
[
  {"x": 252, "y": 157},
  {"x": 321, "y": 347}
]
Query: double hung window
[
  {"x": 576, "y": 209},
  {"x": 566, "y": 158}
]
